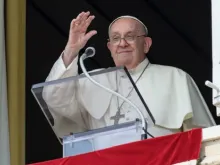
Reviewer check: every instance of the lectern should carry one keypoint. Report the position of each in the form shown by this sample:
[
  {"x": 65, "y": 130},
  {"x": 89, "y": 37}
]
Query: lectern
[{"x": 85, "y": 117}]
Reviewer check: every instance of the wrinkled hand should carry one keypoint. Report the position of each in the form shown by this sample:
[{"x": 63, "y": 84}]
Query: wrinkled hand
[{"x": 77, "y": 34}]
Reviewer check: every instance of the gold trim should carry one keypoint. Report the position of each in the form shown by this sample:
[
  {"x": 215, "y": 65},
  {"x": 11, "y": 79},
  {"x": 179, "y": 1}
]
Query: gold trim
[{"x": 15, "y": 56}]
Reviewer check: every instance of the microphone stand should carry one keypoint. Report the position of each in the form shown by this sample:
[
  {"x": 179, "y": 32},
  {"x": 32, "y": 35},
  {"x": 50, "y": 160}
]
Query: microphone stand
[
  {"x": 216, "y": 99},
  {"x": 90, "y": 52}
]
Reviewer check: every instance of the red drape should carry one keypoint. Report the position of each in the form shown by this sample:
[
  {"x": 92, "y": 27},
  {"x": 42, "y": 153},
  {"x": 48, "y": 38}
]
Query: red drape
[{"x": 165, "y": 150}]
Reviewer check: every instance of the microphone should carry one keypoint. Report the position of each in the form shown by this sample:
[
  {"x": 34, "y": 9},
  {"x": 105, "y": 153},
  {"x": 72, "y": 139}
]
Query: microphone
[
  {"x": 211, "y": 85},
  {"x": 216, "y": 99},
  {"x": 90, "y": 52}
]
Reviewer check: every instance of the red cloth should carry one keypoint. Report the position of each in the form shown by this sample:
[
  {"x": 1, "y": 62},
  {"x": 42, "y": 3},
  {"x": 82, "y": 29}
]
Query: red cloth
[{"x": 165, "y": 150}]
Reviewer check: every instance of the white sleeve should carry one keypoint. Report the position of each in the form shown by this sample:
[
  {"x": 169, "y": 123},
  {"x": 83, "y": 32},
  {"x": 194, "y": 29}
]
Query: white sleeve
[
  {"x": 59, "y": 70},
  {"x": 63, "y": 98}
]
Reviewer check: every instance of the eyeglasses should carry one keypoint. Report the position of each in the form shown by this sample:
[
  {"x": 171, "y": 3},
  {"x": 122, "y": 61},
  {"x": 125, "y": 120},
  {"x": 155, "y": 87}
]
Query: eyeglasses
[{"x": 129, "y": 39}]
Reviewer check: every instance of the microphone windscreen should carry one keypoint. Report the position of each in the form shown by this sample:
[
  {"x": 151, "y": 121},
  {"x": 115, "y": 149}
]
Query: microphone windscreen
[{"x": 90, "y": 51}]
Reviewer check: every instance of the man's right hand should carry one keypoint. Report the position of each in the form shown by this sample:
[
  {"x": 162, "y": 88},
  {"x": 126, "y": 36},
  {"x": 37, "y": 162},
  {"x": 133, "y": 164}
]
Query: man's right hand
[{"x": 78, "y": 36}]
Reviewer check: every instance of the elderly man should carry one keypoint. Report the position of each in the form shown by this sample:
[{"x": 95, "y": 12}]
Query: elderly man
[{"x": 170, "y": 93}]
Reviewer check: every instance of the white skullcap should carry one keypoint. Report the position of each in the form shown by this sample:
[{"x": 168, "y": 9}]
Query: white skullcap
[{"x": 127, "y": 16}]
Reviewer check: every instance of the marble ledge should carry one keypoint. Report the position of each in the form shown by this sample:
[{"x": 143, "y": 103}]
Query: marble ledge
[{"x": 210, "y": 151}]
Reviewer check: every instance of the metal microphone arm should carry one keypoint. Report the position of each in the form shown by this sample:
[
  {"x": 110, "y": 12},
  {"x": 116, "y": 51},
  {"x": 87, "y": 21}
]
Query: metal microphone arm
[
  {"x": 213, "y": 86},
  {"x": 82, "y": 58},
  {"x": 216, "y": 99}
]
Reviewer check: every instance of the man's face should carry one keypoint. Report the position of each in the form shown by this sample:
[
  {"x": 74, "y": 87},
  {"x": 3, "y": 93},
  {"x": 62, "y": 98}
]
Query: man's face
[{"x": 127, "y": 44}]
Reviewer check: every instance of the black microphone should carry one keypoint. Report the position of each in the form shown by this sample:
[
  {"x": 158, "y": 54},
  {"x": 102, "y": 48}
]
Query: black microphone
[{"x": 90, "y": 52}]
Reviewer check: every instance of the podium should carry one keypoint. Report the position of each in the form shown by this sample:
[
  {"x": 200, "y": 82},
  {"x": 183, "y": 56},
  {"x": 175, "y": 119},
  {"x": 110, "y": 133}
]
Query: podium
[
  {"x": 81, "y": 143},
  {"x": 85, "y": 117}
]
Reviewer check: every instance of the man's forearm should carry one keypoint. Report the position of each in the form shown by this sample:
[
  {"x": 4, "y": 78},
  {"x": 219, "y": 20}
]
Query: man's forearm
[{"x": 68, "y": 56}]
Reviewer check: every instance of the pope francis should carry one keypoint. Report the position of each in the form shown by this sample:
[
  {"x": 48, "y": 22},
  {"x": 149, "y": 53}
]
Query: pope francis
[{"x": 170, "y": 93}]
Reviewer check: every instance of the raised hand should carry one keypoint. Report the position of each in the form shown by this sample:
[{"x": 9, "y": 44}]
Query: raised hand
[{"x": 78, "y": 36}]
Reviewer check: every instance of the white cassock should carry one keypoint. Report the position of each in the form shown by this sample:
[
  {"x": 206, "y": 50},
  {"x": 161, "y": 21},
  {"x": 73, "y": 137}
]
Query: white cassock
[{"x": 171, "y": 95}]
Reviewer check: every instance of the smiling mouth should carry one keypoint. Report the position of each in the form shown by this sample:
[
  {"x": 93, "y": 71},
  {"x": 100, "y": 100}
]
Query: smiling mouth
[{"x": 124, "y": 52}]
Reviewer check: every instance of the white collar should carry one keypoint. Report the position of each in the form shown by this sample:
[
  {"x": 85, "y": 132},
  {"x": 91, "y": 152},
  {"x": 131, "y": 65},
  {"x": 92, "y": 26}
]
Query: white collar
[
  {"x": 135, "y": 71},
  {"x": 141, "y": 66}
]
